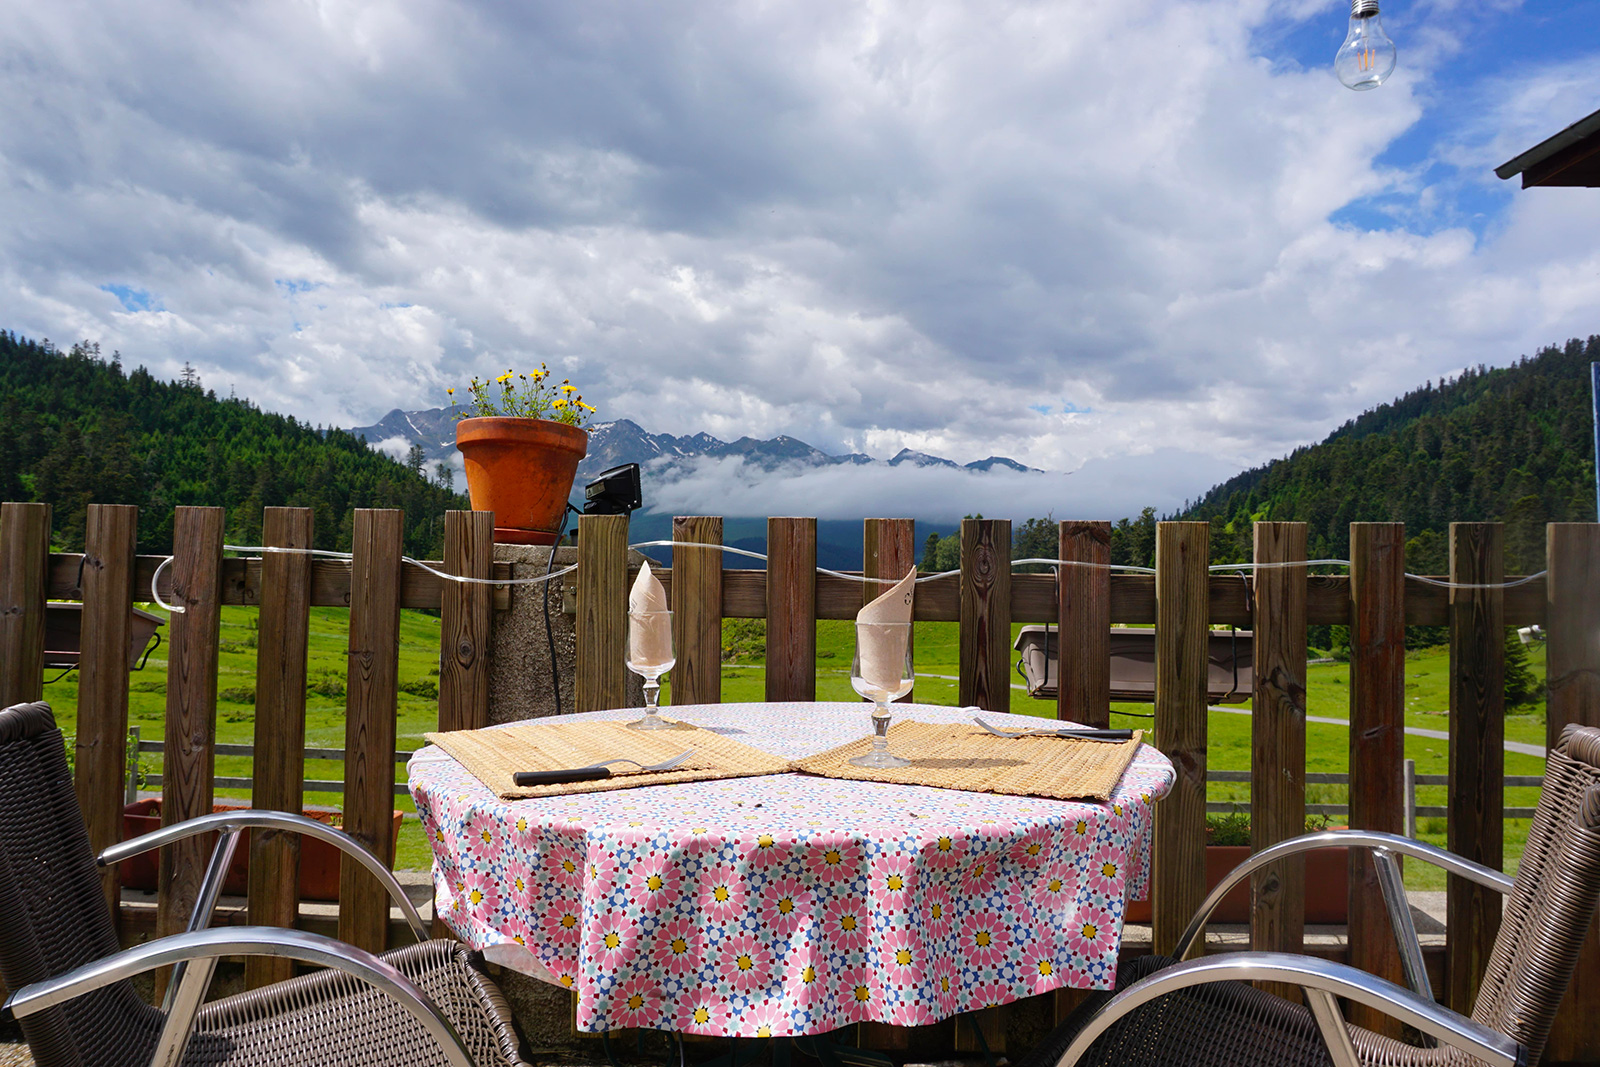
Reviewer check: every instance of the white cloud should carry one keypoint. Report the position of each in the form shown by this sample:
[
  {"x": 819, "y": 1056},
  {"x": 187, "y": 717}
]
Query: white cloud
[
  {"x": 1066, "y": 233},
  {"x": 730, "y": 486},
  {"x": 395, "y": 447}
]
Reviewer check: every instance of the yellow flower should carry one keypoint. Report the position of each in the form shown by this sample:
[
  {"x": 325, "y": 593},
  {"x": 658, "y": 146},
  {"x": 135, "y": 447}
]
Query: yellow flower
[
  {"x": 450, "y": 392},
  {"x": 586, "y": 407},
  {"x": 569, "y": 388},
  {"x": 506, "y": 377},
  {"x": 559, "y": 404}
]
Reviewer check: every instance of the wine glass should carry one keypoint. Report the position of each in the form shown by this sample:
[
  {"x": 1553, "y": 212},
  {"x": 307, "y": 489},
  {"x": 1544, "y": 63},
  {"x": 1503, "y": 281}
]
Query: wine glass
[
  {"x": 882, "y": 674},
  {"x": 650, "y": 656}
]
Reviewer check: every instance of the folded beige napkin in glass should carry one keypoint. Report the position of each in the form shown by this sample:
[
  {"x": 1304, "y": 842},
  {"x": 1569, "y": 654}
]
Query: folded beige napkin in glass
[
  {"x": 883, "y": 647},
  {"x": 649, "y": 625}
]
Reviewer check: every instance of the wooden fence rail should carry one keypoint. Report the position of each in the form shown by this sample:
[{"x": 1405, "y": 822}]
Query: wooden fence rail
[{"x": 1183, "y": 600}]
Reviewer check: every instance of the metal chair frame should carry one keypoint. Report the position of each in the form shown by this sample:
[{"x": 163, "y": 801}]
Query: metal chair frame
[{"x": 194, "y": 953}]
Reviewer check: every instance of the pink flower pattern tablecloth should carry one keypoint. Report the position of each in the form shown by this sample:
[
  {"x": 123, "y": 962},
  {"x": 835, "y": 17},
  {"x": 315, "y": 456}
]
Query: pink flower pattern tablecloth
[{"x": 788, "y": 904}]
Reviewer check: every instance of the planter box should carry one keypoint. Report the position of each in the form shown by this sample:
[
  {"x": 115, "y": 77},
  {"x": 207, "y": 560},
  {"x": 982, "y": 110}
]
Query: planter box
[
  {"x": 1327, "y": 886},
  {"x": 319, "y": 861},
  {"x": 63, "y": 623}
]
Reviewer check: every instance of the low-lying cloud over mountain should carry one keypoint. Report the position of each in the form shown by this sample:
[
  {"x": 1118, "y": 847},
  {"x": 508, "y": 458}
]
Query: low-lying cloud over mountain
[
  {"x": 625, "y": 441},
  {"x": 702, "y": 474}
]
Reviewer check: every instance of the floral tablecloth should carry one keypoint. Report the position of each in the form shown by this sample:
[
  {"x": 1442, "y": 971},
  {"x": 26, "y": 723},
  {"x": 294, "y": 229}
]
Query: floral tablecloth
[{"x": 788, "y": 904}]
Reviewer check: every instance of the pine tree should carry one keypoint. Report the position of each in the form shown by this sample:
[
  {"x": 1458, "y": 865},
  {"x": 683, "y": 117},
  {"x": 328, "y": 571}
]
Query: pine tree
[{"x": 1522, "y": 687}]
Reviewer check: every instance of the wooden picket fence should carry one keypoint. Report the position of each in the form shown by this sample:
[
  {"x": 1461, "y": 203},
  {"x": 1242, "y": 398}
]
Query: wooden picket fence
[{"x": 1182, "y": 600}]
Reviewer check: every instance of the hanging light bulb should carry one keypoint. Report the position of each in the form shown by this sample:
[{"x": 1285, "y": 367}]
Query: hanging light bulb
[{"x": 1367, "y": 56}]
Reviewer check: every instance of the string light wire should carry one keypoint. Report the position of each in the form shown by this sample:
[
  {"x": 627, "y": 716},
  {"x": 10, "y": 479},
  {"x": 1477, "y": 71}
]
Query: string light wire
[{"x": 177, "y": 609}]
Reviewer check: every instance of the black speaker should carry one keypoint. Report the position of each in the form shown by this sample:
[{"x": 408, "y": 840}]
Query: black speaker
[{"x": 615, "y": 492}]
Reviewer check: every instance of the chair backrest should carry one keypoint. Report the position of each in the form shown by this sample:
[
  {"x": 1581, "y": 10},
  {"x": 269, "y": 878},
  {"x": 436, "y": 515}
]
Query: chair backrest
[
  {"x": 1548, "y": 911},
  {"x": 53, "y": 914}
]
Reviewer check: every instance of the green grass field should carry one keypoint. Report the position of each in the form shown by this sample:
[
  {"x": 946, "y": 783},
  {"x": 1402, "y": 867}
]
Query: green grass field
[
  {"x": 1327, "y": 746},
  {"x": 325, "y": 671},
  {"x": 743, "y": 679}
]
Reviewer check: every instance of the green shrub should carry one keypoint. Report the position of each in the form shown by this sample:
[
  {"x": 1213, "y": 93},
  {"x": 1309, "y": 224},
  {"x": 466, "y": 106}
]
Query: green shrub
[
  {"x": 1234, "y": 827},
  {"x": 744, "y": 640},
  {"x": 328, "y": 684},
  {"x": 238, "y": 695},
  {"x": 421, "y": 687}
]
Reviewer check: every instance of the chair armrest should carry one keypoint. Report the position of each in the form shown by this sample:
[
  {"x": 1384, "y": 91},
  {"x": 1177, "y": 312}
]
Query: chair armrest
[
  {"x": 1317, "y": 976},
  {"x": 231, "y": 822},
  {"x": 1372, "y": 839},
  {"x": 209, "y": 945}
]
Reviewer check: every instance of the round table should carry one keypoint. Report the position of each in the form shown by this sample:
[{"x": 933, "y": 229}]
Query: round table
[{"x": 788, "y": 904}]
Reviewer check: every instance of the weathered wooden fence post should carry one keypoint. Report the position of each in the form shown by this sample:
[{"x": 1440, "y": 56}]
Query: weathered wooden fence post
[
  {"x": 791, "y": 609},
  {"x": 697, "y": 611},
  {"x": 1572, "y": 663},
  {"x": 1477, "y": 751},
  {"x": 1377, "y": 740},
  {"x": 602, "y": 625},
  {"x": 1083, "y": 602},
  {"x": 189, "y": 758},
  {"x": 24, "y": 570},
  {"x": 465, "y": 612},
  {"x": 986, "y": 614},
  {"x": 109, "y": 546},
  {"x": 371, "y": 703},
  {"x": 1278, "y": 738},
  {"x": 888, "y": 553},
  {"x": 279, "y": 764},
  {"x": 1183, "y": 631}
]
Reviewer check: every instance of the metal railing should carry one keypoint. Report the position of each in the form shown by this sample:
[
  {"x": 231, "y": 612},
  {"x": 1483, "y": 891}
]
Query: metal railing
[
  {"x": 312, "y": 785},
  {"x": 1412, "y": 780}
]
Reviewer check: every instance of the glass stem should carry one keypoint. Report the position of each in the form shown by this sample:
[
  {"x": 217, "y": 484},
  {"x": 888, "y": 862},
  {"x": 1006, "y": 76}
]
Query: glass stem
[
  {"x": 652, "y": 693},
  {"x": 880, "y": 727}
]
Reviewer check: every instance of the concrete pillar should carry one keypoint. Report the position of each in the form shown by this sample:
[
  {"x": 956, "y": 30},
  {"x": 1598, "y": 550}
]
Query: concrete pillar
[{"x": 520, "y": 678}]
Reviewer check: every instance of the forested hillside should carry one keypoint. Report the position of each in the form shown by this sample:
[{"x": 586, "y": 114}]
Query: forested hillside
[
  {"x": 1512, "y": 445},
  {"x": 76, "y": 429}
]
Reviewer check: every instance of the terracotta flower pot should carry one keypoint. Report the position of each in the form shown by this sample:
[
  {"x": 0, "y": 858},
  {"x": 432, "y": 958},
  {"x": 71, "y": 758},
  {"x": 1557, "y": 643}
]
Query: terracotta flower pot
[
  {"x": 319, "y": 861},
  {"x": 1327, "y": 886},
  {"x": 522, "y": 470}
]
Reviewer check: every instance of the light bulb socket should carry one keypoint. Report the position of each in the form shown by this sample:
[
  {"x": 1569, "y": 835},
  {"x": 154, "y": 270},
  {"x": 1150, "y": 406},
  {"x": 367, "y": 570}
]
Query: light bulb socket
[{"x": 1363, "y": 9}]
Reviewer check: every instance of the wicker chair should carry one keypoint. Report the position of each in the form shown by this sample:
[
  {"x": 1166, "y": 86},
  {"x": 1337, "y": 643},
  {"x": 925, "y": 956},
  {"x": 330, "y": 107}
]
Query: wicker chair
[
  {"x": 425, "y": 1004},
  {"x": 1202, "y": 1013}
]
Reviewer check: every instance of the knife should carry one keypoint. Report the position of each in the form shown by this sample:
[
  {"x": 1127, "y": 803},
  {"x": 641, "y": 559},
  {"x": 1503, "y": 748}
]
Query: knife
[
  {"x": 577, "y": 774},
  {"x": 1097, "y": 735}
]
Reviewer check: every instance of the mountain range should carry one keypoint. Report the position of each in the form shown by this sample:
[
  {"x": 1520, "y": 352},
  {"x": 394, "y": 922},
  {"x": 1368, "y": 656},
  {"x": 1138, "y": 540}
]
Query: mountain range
[{"x": 624, "y": 441}]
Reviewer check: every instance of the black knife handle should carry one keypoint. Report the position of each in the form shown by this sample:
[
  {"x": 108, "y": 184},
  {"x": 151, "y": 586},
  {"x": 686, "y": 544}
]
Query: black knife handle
[{"x": 582, "y": 774}]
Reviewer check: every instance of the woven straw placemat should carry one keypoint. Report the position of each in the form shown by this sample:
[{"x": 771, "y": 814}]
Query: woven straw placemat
[
  {"x": 493, "y": 756},
  {"x": 959, "y": 756}
]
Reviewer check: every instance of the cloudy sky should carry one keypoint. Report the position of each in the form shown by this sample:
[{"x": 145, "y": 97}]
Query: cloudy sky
[{"x": 1151, "y": 236}]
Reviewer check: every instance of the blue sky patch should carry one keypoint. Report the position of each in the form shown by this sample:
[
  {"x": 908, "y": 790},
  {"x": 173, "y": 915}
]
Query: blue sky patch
[
  {"x": 133, "y": 299},
  {"x": 1495, "y": 47}
]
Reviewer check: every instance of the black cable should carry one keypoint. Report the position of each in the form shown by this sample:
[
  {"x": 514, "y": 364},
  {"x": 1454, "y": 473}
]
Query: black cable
[
  {"x": 549, "y": 630},
  {"x": 983, "y": 1042}
]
